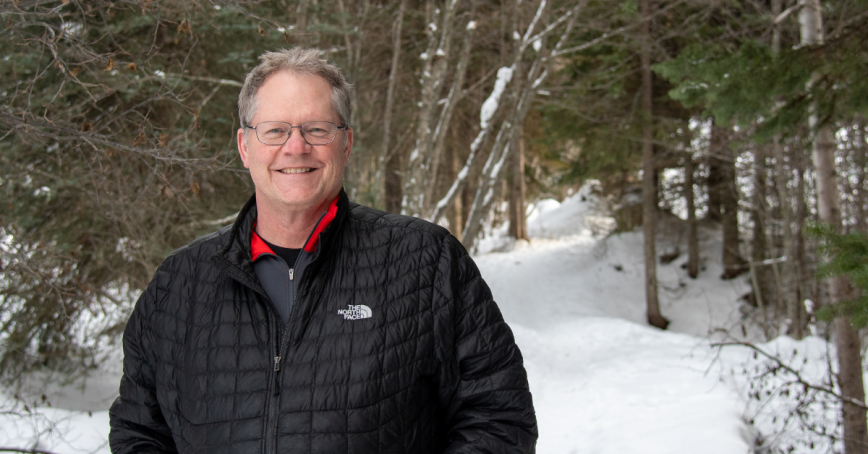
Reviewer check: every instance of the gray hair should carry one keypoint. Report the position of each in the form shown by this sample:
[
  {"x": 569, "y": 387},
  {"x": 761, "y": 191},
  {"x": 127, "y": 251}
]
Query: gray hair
[{"x": 298, "y": 61}]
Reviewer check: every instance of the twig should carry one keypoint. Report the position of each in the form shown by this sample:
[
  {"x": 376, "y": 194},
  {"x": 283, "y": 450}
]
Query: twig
[{"x": 798, "y": 380}]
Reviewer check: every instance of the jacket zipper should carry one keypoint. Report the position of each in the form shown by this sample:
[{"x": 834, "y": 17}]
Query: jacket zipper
[
  {"x": 271, "y": 423},
  {"x": 271, "y": 441}
]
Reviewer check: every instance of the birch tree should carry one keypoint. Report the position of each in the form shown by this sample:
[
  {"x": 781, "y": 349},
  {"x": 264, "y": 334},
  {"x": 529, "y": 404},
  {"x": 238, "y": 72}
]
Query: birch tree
[
  {"x": 435, "y": 65},
  {"x": 524, "y": 96}
]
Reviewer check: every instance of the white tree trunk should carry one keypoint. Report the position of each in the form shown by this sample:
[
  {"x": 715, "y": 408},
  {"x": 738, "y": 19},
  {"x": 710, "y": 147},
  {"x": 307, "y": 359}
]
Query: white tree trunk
[
  {"x": 524, "y": 95},
  {"x": 434, "y": 69}
]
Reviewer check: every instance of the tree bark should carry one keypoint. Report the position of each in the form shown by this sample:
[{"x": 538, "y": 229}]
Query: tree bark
[
  {"x": 390, "y": 197},
  {"x": 692, "y": 223},
  {"x": 456, "y": 92},
  {"x": 790, "y": 276},
  {"x": 807, "y": 280},
  {"x": 861, "y": 174},
  {"x": 454, "y": 214},
  {"x": 434, "y": 68},
  {"x": 829, "y": 206},
  {"x": 715, "y": 179},
  {"x": 759, "y": 247},
  {"x": 790, "y": 294},
  {"x": 517, "y": 218},
  {"x": 733, "y": 264},
  {"x": 649, "y": 190}
]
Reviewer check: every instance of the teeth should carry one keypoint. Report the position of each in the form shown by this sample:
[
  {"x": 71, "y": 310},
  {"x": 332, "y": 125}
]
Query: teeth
[{"x": 297, "y": 170}]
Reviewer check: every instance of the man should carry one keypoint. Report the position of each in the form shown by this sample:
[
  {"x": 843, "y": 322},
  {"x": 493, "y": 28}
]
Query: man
[{"x": 313, "y": 324}]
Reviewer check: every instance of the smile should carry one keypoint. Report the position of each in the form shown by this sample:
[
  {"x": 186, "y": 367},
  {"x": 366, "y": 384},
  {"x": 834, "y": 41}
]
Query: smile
[{"x": 296, "y": 170}]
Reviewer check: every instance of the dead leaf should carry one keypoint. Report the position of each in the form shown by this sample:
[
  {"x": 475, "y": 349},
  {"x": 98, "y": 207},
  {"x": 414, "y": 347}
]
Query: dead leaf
[
  {"x": 139, "y": 140},
  {"x": 131, "y": 66},
  {"x": 185, "y": 28},
  {"x": 111, "y": 65},
  {"x": 74, "y": 71},
  {"x": 164, "y": 140},
  {"x": 168, "y": 192},
  {"x": 286, "y": 37},
  {"x": 65, "y": 2},
  {"x": 86, "y": 126},
  {"x": 194, "y": 187},
  {"x": 261, "y": 31}
]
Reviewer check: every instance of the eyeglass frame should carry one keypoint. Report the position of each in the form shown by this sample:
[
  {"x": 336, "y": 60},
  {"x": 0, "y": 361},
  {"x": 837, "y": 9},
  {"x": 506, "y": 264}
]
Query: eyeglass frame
[{"x": 300, "y": 130}]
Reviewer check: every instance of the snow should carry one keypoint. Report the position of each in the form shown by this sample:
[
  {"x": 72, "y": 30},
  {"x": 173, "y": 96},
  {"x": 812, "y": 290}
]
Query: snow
[
  {"x": 489, "y": 107},
  {"x": 603, "y": 381}
]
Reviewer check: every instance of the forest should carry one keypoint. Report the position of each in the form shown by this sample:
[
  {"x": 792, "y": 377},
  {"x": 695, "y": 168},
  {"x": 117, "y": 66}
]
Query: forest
[{"x": 749, "y": 118}]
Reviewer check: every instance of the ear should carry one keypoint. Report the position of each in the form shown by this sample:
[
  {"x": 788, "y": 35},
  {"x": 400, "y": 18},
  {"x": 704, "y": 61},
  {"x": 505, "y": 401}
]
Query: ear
[
  {"x": 242, "y": 147},
  {"x": 348, "y": 146}
]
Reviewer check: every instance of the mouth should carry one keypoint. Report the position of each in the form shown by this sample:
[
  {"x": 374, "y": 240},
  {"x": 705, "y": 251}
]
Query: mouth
[{"x": 294, "y": 170}]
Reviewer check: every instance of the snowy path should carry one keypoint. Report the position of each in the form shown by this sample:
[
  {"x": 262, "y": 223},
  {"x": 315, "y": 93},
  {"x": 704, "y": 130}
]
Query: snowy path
[{"x": 602, "y": 382}]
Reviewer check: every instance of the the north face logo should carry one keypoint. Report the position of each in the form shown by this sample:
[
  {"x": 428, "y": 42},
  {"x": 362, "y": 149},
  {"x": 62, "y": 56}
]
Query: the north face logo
[{"x": 355, "y": 312}]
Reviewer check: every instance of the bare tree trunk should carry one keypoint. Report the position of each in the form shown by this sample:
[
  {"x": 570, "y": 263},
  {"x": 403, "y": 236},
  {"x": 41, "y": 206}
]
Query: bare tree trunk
[
  {"x": 807, "y": 281},
  {"x": 733, "y": 264},
  {"x": 301, "y": 12},
  {"x": 759, "y": 245},
  {"x": 388, "y": 197},
  {"x": 714, "y": 181},
  {"x": 846, "y": 337},
  {"x": 649, "y": 167},
  {"x": 790, "y": 279},
  {"x": 456, "y": 92},
  {"x": 394, "y": 185},
  {"x": 517, "y": 218},
  {"x": 765, "y": 286},
  {"x": 524, "y": 96},
  {"x": 861, "y": 174},
  {"x": 434, "y": 68},
  {"x": 790, "y": 274},
  {"x": 692, "y": 224},
  {"x": 454, "y": 214}
]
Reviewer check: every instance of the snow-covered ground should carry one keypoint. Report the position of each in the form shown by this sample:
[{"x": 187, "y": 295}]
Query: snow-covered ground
[{"x": 602, "y": 380}]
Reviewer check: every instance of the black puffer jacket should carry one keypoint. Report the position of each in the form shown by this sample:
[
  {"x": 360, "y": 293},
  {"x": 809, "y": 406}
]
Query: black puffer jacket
[{"x": 434, "y": 369}]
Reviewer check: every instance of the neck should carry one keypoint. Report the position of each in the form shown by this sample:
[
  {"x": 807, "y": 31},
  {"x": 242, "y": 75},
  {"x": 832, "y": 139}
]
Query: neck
[{"x": 288, "y": 228}]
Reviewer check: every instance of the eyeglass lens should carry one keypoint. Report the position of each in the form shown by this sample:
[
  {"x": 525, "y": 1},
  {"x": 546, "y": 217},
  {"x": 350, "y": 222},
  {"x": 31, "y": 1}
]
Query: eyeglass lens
[{"x": 313, "y": 132}]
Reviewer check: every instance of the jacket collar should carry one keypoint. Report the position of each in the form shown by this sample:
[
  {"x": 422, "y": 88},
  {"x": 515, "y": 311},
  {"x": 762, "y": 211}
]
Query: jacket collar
[
  {"x": 258, "y": 246},
  {"x": 237, "y": 250}
]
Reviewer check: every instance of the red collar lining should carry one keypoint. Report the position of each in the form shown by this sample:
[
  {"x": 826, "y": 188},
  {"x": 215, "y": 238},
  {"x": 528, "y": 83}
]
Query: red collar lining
[{"x": 258, "y": 246}]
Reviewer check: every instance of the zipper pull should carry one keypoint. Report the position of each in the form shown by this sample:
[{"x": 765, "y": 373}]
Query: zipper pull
[
  {"x": 276, "y": 363},
  {"x": 291, "y": 273}
]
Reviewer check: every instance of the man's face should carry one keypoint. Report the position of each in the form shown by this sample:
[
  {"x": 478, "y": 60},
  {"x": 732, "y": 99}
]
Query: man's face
[{"x": 295, "y": 176}]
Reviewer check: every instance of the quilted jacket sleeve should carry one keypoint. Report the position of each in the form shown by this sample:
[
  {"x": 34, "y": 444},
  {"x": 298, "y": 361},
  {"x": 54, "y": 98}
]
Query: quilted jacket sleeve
[
  {"x": 137, "y": 423},
  {"x": 483, "y": 381}
]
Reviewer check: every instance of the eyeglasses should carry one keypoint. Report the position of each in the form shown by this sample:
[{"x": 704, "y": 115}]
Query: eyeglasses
[{"x": 313, "y": 132}]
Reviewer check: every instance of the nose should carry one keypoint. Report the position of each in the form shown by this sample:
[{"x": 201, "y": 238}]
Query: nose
[{"x": 295, "y": 144}]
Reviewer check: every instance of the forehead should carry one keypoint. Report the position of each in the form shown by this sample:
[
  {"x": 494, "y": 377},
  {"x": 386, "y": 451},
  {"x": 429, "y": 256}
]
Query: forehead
[{"x": 294, "y": 97}]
